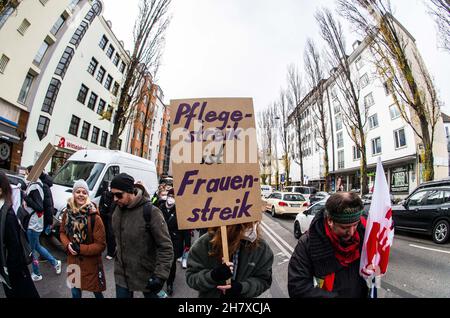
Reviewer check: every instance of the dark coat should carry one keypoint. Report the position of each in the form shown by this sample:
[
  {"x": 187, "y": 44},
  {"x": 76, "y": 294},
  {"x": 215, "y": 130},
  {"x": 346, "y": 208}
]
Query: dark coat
[
  {"x": 90, "y": 257},
  {"x": 313, "y": 258},
  {"x": 13, "y": 258},
  {"x": 47, "y": 183},
  {"x": 140, "y": 254},
  {"x": 178, "y": 237}
]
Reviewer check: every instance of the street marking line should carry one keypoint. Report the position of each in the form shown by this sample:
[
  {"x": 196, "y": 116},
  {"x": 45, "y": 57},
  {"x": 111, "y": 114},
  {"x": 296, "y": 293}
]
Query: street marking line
[
  {"x": 278, "y": 237},
  {"x": 430, "y": 249},
  {"x": 282, "y": 249}
]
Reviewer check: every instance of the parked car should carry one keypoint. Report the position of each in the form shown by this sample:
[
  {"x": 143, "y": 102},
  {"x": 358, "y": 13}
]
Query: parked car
[
  {"x": 303, "y": 220},
  {"x": 367, "y": 199},
  {"x": 304, "y": 190},
  {"x": 286, "y": 203},
  {"x": 266, "y": 190},
  {"x": 15, "y": 179},
  {"x": 319, "y": 196},
  {"x": 427, "y": 210},
  {"x": 429, "y": 184}
]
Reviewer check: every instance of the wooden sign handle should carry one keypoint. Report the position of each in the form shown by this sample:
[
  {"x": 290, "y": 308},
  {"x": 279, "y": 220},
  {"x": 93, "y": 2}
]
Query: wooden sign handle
[{"x": 226, "y": 257}]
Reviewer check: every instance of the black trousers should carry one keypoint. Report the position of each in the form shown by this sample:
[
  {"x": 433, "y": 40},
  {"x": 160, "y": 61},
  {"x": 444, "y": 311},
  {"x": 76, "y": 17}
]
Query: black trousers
[
  {"x": 110, "y": 239},
  {"x": 22, "y": 285}
]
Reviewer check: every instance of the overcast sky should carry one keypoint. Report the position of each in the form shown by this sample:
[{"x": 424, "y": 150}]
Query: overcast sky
[{"x": 241, "y": 48}]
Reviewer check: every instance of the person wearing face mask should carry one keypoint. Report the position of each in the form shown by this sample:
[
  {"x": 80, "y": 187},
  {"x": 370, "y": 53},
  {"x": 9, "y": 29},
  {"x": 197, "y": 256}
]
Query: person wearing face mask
[
  {"x": 329, "y": 252},
  {"x": 250, "y": 266},
  {"x": 83, "y": 235}
]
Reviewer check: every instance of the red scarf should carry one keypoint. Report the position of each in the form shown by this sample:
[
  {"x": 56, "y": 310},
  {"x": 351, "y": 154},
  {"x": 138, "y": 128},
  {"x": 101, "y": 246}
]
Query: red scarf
[{"x": 345, "y": 255}]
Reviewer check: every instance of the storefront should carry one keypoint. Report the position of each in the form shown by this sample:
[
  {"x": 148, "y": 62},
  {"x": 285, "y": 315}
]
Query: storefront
[
  {"x": 8, "y": 137},
  {"x": 64, "y": 149}
]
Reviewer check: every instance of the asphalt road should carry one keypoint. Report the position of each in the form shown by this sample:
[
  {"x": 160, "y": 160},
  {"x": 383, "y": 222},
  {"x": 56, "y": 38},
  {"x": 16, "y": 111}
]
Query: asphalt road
[{"x": 418, "y": 267}]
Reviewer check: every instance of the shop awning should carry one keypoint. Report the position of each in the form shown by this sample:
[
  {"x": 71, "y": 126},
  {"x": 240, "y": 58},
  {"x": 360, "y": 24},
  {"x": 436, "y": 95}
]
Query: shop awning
[{"x": 9, "y": 133}]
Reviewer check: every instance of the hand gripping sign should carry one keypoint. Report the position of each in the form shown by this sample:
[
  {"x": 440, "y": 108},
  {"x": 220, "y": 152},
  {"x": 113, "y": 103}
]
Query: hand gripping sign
[{"x": 214, "y": 162}]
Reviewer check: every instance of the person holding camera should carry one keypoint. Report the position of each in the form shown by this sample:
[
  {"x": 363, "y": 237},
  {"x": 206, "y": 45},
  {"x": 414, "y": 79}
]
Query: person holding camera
[
  {"x": 83, "y": 236},
  {"x": 144, "y": 251}
]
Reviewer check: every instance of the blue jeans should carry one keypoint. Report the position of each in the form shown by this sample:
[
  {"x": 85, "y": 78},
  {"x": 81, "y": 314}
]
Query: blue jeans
[
  {"x": 77, "y": 292},
  {"x": 33, "y": 239},
  {"x": 122, "y": 292}
]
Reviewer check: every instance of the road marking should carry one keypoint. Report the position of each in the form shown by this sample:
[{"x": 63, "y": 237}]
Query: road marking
[
  {"x": 282, "y": 249},
  {"x": 277, "y": 236},
  {"x": 430, "y": 249}
]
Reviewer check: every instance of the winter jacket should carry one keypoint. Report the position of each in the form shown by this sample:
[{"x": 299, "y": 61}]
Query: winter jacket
[
  {"x": 35, "y": 206},
  {"x": 90, "y": 257},
  {"x": 314, "y": 258},
  {"x": 176, "y": 235},
  {"x": 254, "y": 270},
  {"x": 47, "y": 183},
  {"x": 106, "y": 204},
  {"x": 140, "y": 254},
  {"x": 12, "y": 257}
]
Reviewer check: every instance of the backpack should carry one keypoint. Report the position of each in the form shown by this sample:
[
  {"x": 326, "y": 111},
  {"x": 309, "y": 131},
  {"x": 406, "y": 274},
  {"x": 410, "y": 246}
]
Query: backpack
[{"x": 147, "y": 213}]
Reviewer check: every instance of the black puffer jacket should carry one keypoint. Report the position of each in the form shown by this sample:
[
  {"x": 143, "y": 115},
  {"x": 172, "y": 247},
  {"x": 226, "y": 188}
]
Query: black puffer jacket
[
  {"x": 313, "y": 257},
  {"x": 47, "y": 183}
]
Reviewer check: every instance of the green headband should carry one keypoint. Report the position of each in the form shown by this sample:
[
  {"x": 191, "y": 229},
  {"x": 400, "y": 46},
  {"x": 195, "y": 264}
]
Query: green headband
[{"x": 347, "y": 216}]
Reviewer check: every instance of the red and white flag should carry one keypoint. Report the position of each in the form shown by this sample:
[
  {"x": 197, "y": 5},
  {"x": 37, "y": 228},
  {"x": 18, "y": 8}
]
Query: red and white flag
[{"x": 379, "y": 231}]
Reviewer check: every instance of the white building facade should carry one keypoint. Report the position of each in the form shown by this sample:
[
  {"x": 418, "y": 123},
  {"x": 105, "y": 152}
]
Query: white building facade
[{"x": 76, "y": 92}]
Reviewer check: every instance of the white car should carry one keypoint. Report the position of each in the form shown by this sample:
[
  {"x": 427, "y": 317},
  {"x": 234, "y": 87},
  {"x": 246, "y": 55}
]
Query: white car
[
  {"x": 303, "y": 220},
  {"x": 304, "y": 190},
  {"x": 286, "y": 203}
]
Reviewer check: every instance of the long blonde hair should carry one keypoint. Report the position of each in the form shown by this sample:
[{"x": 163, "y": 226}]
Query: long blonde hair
[{"x": 235, "y": 234}]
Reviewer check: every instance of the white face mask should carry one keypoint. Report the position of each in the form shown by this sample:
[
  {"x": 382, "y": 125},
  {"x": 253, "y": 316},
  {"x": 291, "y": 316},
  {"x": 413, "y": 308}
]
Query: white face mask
[
  {"x": 251, "y": 234},
  {"x": 164, "y": 197},
  {"x": 170, "y": 201}
]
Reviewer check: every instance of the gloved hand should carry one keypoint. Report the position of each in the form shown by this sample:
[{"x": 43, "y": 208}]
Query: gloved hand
[
  {"x": 155, "y": 284},
  {"x": 234, "y": 291},
  {"x": 221, "y": 273},
  {"x": 76, "y": 247}
]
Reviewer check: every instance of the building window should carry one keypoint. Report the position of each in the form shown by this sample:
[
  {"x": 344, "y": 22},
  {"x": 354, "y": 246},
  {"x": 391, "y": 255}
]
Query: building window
[
  {"x": 40, "y": 54},
  {"x": 110, "y": 111},
  {"x": 108, "y": 82},
  {"x": 73, "y": 4},
  {"x": 116, "y": 89},
  {"x": 92, "y": 101},
  {"x": 90, "y": 16},
  {"x": 338, "y": 122},
  {"x": 79, "y": 33},
  {"x": 340, "y": 140},
  {"x": 364, "y": 81},
  {"x": 104, "y": 139},
  {"x": 64, "y": 62},
  {"x": 333, "y": 93},
  {"x": 356, "y": 153},
  {"x": 368, "y": 100},
  {"x": 387, "y": 91},
  {"x": 95, "y": 133},
  {"x": 50, "y": 97},
  {"x": 110, "y": 51},
  {"x": 74, "y": 124},
  {"x": 24, "y": 26},
  {"x": 3, "y": 62},
  {"x": 116, "y": 60},
  {"x": 42, "y": 127},
  {"x": 393, "y": 110},
  {"x": 103, "y": 42},
  {"x": 58, "y": 25},
  {"x": 400, "y": 138},
  {"x": 25, "y": 88},
  {"x": 101, "y": 75},
  {"x": 373, "y": 121},
  {"x": 120, "y": 143},
  {"x": 122, "y": 67},
  {"x": 85, "y": 130},
  {"x": 337, "y": 106},
  {"x": 359, "y": 63},
  {"x": 82, "y": 94},
  {"x": 376, "y": 146},
  {"x": 101, "y": 106},
  {"x": 92, "y": 66},
  {"x": 341, "y": 162}
]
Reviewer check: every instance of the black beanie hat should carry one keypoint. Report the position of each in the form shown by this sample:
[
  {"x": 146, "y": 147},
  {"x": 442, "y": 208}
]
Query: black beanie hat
[{"x": 123, "y": 182}]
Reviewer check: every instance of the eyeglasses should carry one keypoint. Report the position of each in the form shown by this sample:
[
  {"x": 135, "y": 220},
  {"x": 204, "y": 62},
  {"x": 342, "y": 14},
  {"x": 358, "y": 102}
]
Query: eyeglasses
[{"x": 118, "y": 195}]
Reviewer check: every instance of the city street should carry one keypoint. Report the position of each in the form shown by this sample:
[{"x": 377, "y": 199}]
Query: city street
[{"x": 417, "y": 268}]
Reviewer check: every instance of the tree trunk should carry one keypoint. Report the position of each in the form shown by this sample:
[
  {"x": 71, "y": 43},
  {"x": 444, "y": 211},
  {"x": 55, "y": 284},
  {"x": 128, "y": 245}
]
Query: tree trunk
[
  {"x": 363, "y": 171},
  {"x": 428, "y": 158}
]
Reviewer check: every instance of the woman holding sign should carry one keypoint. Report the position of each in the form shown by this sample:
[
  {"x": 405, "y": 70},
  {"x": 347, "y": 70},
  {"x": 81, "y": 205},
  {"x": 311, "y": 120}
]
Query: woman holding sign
[{"x": 250, "y": 268}]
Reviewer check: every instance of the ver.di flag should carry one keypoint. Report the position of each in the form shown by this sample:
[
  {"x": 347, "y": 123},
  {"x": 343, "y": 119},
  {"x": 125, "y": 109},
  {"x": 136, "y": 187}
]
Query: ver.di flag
[{"x": 379, "y": 233}]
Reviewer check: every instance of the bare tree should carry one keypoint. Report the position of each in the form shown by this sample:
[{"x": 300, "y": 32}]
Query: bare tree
[
  {"x": 399, "y": 64},
  {"x": 282, "y": 109},
  {"x": 440, "y": 10},
  {"x": 294, "y": 95},
  {"x": 316, "y": 79},
  {"x": 149, "y": 31},
  {"x": 354, "y": 116},
  {"x": 265, "y": 145}
]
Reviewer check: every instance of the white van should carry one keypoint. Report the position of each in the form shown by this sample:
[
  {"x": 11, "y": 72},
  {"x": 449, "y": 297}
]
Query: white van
[
  {"x": 266, "y": 190},
  {"x": 98, "y": 168}
]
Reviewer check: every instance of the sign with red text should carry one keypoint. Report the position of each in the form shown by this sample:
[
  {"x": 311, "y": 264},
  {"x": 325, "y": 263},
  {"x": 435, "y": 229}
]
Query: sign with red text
[{"x": 215, "y": 162}]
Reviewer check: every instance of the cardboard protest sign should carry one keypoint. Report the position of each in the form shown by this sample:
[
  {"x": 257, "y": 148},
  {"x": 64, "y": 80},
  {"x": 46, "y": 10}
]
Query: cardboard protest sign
[
  {"x": 42, "y": 161},
  {"x": 215, "y": 162}
]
